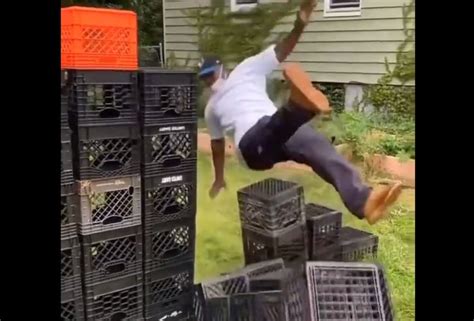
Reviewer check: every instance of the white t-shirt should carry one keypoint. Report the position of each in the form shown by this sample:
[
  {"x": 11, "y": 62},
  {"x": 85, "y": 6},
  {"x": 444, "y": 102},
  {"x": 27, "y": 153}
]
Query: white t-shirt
[{"x": 242, "y": 99}]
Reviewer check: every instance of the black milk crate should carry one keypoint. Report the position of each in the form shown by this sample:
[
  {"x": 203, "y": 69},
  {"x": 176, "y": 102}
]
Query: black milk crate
[
  {"x": 351, "y": 245},
  {"x": 271, "y": 204},
  {"x": 68, "y": 212},
  {"x": 106, "y": 151},
  {"x": 258, "y": 306},
  {"x": 70, "y": 264},
  {"x": 256, "y": 269},
  {"x": 66, "y": 157},
  {"x": 169, "y": 197},
  {"x": 119, "y": 299},
  {"x": 72, "y": 305},
  {"x": 242, "y": 307},
  {"x": 294, "y": 291},
  {"x": 179, "y": 312},
  {"x": 271, "y": 306},
  {"x": 166, "y": 94},
  {"x": 323, "y": 225},
  {"x": 64, "y": 103},
  {"x": 199, "y": 304},
  {"x": 388, "y": 310},
  {"x": 107, "y": 204},
  {"x": 112, "y": 254},
  {"x": 169, "y": 291},
  {"x": 98, "y": 97},
  {"x": 343, "y": 291},
  {"x": 169, "y": 244},
  {"x": 217, "y": 309},
  {"x": 291, "y": 244},
  {"x": 169, "y": 146},
  {"x": 225, "y": 285}
]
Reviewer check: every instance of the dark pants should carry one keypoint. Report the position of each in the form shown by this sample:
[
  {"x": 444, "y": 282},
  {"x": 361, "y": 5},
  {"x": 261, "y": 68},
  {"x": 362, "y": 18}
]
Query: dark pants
[{"x": 287, "y": 136}]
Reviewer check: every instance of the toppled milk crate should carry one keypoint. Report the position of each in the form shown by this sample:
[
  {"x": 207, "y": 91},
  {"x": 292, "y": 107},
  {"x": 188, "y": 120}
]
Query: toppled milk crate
[
  {"x": 110, "y": 255},
  {"x": 167, "y": 94},
  {"x": 169, "y": 291},
  {"x": 169, "y": 197},
  {"x": 105, "y": 151},
  {"x": 351, "y": 245},
  {"x": 342, "y": 291},
  {"x": 323, "y": 225},
  {"x": 294, "y": 291},
  {"x": 98, "y": 39},
  {"x": 271, "y": 204},
  {"x": 256, "y": 306},
  {"x": 68, "y": 212},
  {"x": 72, "y": 305},
  {"x": 264, "y": 267},
  {"x": 218, "y": 309},
  {"x": 119, "y": 299},
  {"x": 243, "y": 307},
  {"x": 168, "y": 244},
  {"x": 169, "y": 147},
  {"x": 290, "y": 244},
  {"x": 388, "y": 310},
  {"x": 70, "y": 264},
  {"x": 225, "y": 285},
  {"x": 107, "y": 204},
  {"x": 103, "y": 97}
]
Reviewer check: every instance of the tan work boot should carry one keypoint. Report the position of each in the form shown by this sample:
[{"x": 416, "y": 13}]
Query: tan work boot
[
  {"x": 379, "y": 200},
  {"x": 303, "y": 92}
]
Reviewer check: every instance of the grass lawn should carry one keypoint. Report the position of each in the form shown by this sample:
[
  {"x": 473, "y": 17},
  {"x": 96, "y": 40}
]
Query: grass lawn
[
  {"x": 219, "y": 244},
  {"x": 202, "y": 124}
]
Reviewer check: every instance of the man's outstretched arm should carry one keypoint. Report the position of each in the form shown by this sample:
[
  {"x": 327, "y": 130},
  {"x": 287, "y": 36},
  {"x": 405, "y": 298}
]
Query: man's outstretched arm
[
  {"x": 218, "y": 151},
  {"x": 284, "y": 48},
  {"x": 218, "y": 159}
]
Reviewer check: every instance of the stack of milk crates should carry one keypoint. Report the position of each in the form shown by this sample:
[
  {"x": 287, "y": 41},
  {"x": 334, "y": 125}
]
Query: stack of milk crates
[
  {"x": 100, "y": 88},
  {"x": 168, "y": 122},
  {"x": 277, "y": 223},
  {"x": 301, "y": 264},
  {"x": 71, "y": 285},
  {"x": 273, "y": 221}
]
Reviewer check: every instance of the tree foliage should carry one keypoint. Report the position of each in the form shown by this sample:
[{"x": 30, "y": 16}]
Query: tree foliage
[{"x": 234, "y": 36}]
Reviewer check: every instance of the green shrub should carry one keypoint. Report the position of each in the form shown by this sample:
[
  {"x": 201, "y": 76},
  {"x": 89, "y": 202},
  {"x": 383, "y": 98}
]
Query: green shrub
[
  {"x": 398, "y": 100},
  {"x": 335, "y": 94},
  {"x": 372, "y": 133}
]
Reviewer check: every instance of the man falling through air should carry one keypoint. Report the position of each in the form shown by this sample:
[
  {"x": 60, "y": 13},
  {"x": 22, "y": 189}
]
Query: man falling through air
[{"x": 264, "y": 135}]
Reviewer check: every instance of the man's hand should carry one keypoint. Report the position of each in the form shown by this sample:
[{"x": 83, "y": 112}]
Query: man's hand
[
  {"x": 284, "y": 48},
  {"x": 216, "y": 188},
  {"x": 306, "y": 9}
]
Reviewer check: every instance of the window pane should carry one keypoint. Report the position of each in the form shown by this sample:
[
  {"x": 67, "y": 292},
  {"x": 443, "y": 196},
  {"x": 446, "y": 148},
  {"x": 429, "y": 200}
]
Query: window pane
[
  {"x": 344, "y": 4},
  {"x": 245, "y": 1}
]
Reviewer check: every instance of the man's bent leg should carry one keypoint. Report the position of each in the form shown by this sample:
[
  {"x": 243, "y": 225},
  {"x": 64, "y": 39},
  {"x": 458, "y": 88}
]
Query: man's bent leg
[
  {"x": 284, "y": 123},
  {"x": 313, "y": 149},
  {"x": 262, "y": 145}
]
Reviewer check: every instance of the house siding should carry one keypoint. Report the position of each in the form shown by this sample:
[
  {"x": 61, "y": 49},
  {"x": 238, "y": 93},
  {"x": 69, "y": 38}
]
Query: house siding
[{"x": 335, "y": 49}]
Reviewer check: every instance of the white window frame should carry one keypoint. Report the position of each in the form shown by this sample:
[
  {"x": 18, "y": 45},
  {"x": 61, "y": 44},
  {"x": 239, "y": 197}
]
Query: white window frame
[
  {"x": 341, "y": 12},
  {"x": 234, "y": 7}
]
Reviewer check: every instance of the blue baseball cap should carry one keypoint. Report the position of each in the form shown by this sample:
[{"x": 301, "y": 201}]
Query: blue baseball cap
[{"x": 208, "y": 66}]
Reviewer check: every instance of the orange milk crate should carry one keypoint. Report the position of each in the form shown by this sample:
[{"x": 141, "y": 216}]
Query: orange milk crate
[{"x": 98, "y": 39}]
